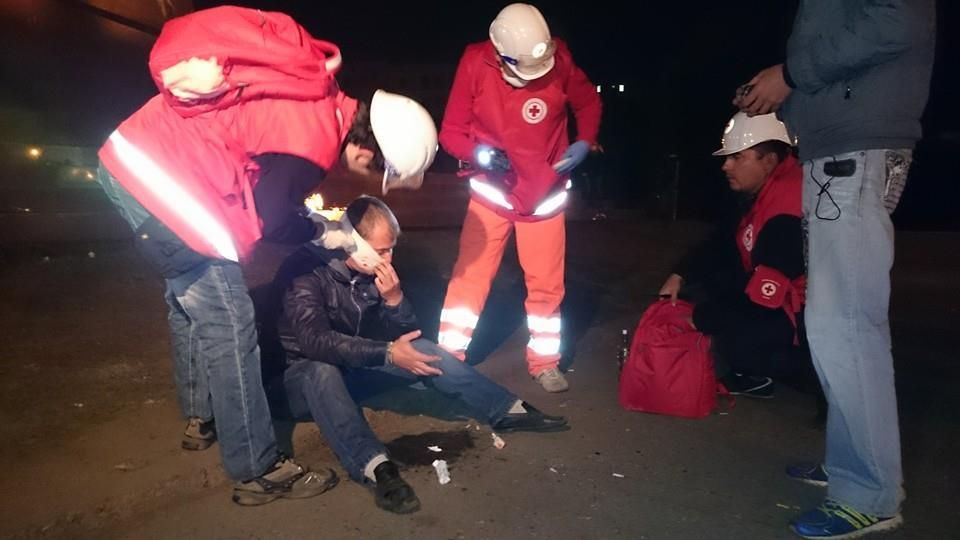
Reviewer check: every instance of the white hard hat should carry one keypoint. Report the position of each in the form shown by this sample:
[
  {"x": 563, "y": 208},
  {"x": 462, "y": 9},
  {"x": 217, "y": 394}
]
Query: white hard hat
[
  {"x": 522, "y": 39},
  {"x": 407, "y": 137},
  {"x": 744, "y": 131}
]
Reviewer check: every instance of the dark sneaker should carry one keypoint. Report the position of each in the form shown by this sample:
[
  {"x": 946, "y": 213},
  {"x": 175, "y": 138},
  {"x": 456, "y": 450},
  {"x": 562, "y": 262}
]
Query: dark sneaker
[
  {"x": 752, "y": 386},
  {"x": 393, "y": 493},
  {"x": 532, "y": 420},
  {"x": 808, "y": 473},
  {"x": 199, "y": 435},
  {"x": 286, "y": 479},
  {"x": 835, "y": 521}
]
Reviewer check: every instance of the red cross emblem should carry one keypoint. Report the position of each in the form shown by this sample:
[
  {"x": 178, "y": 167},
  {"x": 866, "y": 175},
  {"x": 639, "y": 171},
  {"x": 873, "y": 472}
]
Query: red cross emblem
[
  {"x": 748, "y": 237},
  {"x": 769, "y": 288},
  {"x": 534, "y": 110}
]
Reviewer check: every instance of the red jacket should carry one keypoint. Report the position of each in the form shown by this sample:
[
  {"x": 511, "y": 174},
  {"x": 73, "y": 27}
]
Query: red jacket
[
  {"x": 529, "y": 123},
  {"x": 189, "y": 162},
  {"x": 780, "y": 195}
]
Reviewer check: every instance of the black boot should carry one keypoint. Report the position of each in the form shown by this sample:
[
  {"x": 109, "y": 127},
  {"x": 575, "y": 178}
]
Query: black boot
[
  {"x": 531, "y": 420},
  {"x": 392, "y": 493}
]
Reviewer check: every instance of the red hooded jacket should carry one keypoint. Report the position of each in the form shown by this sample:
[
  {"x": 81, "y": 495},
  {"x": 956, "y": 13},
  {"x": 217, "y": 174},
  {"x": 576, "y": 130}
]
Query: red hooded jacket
[{"x": 188, "y": 161}]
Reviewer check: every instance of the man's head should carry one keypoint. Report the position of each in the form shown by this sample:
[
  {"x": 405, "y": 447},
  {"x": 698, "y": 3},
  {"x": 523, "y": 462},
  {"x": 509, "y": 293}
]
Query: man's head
[
  {"x": 753, "y": 147},
  {"x": 394, "y": 137},
  {"x": 377, "y": 229},
  {"x": 522, "y": 39}
]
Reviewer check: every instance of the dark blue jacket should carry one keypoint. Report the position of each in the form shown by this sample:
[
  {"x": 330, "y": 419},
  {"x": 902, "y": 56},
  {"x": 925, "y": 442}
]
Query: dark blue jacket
[{"x": 861, "y": 71}]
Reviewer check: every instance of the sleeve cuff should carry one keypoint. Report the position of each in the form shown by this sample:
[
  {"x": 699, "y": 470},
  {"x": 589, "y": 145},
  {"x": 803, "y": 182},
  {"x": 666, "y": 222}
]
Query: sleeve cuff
[{"x": 787, "y": 78}]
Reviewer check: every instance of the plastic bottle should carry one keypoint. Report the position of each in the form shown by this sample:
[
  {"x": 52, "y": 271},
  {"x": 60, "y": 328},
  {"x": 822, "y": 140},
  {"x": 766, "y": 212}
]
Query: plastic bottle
[{"x": 624, "y": 350}]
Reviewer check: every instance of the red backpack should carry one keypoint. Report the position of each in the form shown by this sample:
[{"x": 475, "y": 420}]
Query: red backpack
[{"x": 670, "y": 368}]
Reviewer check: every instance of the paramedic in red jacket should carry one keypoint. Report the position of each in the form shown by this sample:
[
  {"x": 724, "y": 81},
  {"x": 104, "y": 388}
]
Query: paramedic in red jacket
[
  {"x": 508, "y": 111},
  {"x": 748, "y": 279},
  {"x": 248, "y": 120}
]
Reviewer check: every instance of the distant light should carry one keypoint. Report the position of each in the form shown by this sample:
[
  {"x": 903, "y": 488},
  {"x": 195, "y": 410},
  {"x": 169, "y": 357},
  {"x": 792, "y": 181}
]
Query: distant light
[
  {"x": 34, "y": 152},
  {"x": 598, "y": 88},
  {"x": 89, "y": 175},
  {"x": 621, "y": 88}
]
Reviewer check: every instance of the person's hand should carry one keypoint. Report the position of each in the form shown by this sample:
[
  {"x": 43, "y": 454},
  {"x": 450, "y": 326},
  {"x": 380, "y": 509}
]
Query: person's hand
[
  {"x": 575, "y": 154},
  {"x": 768, "y": 90},
  {"x": 388, "y": 284},
  {"x": 404, "y": 356},
  {"x": 671, "y": 287},
  {"x": 491, "y": 159}
]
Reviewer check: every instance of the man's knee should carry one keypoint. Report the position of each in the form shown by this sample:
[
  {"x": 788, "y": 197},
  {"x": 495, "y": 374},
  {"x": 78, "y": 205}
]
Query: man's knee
[{"x": 321, "y": 375}]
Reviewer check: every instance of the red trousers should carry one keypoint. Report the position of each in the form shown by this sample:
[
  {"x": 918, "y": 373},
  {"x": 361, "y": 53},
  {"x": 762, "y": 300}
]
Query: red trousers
[{"x": 541, "y": 247}]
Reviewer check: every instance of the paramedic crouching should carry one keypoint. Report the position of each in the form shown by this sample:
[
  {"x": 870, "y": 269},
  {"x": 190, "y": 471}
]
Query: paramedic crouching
[{"x": 747, "y": 280}]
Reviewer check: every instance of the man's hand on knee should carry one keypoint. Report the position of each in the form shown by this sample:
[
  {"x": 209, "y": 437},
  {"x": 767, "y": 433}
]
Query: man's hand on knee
[{"x": 404, "y": 355}]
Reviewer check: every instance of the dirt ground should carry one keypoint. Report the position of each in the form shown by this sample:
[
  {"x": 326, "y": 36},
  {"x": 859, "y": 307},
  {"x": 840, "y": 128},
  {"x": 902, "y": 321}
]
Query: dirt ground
[{"x": 90, "y": 426}]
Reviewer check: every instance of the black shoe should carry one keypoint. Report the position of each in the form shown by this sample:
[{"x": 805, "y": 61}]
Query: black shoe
[
  {"x": 532, "y": 420},
  {"x": 752, "y": 386},
  {"x": 392, "y": 493}
]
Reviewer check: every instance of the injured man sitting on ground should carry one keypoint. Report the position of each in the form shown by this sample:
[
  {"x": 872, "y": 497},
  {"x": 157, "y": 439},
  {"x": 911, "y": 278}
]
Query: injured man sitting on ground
[{"x": 348, "y": 332}]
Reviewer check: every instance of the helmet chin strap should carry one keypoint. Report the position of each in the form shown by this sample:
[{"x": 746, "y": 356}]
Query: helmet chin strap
[
  {"x": 514, "y": 81},
  {"x": 511, "y": 78}
]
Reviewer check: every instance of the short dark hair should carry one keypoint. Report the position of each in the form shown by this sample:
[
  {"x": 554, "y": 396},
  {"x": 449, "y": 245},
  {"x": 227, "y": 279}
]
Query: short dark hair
[
  {"x": 780, "y": 148},
  {"x": 361, "y": 134},
  {"x": 365, "y": 212}
]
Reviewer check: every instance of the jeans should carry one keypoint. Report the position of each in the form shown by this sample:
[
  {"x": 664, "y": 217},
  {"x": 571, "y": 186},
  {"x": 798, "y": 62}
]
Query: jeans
[
  {"x": 329, "y": 394},
  {"x": 215, "y": 353},
  {"x": 850, "y": 254}
]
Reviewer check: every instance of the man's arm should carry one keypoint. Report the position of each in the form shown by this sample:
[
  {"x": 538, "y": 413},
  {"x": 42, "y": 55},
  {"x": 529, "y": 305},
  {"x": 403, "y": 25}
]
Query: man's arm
[
  {"x": 284, "y": 181},
  {"x": 585, "y": 104},
  {"x": 457, "y": 117},
  {"x": 879, "y": 32},
  {"x": 779, "y": 247},
  {"x": 305, "y": 305}
]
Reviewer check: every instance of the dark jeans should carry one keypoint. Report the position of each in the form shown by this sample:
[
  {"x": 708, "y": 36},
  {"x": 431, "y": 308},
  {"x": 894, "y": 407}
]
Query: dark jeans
[
  {"x": 215, "y": 352},
  {"x": 329, "y": 394}
]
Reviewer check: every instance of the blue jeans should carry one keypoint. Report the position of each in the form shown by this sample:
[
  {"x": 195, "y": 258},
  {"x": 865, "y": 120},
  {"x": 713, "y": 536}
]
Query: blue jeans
[
  {"x": 329, "y": 394},
  {"x": 215, "y": 352},
  {"x": 850, "y": 254}
]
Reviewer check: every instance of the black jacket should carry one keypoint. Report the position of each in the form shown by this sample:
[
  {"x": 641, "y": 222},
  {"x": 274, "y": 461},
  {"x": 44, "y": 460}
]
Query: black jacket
[
  {"x": 715, "y": 269},
  {"x": 333, "y": 314}
]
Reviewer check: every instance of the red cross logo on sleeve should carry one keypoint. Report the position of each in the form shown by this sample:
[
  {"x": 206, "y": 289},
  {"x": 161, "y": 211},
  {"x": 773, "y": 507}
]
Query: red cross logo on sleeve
[
  {"x": 768, "y": 288},
  {"x": 534, "y": 110}
]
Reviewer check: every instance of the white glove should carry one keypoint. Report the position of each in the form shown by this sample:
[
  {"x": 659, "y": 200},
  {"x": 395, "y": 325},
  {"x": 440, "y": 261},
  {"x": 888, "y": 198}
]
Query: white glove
[{"x": 333, "y": 234}]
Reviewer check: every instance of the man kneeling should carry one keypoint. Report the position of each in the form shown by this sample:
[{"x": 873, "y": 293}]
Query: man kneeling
[{"x": 346, "y": 323}]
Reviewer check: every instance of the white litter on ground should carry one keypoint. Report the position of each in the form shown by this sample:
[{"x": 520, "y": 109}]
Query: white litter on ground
[{"x": 443, "y": 474}]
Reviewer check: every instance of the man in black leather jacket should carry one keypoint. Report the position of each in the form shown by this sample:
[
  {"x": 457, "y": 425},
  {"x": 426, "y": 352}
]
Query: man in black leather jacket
[{"x": 346, "y": 325}]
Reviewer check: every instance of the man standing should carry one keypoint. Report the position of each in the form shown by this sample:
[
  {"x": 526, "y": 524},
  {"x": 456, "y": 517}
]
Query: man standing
[
  {"x": 853, "y": 87},
  {"x": 248, "y": 120},
  {"x": 507, "y": 111}
]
